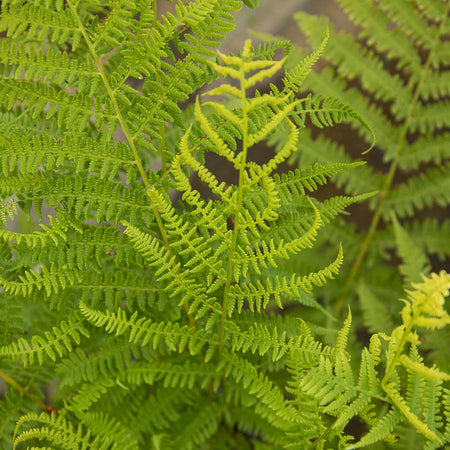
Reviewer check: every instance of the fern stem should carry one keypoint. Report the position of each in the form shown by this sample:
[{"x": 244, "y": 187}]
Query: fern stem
[
  {"x": 384, "y": 193},
  {"x": 22, "y": 390},
  {"x": 120, "y": 118},
  {"x": 237, "y": 210}
]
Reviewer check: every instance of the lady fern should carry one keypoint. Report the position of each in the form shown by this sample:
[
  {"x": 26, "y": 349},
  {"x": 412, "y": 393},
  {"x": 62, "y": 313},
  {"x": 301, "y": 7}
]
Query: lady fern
[{"x": 153, "y": 321}]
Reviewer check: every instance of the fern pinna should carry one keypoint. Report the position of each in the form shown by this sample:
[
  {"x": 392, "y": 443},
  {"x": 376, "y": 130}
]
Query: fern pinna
[{"x": 155, "y": 323}]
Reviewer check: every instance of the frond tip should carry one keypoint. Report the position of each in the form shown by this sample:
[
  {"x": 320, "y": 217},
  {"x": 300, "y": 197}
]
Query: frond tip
[{"x": 425, "y": 305}]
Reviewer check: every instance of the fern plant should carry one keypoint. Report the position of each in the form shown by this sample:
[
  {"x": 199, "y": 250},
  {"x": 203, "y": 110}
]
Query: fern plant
[{"x": 130, "y": 321}]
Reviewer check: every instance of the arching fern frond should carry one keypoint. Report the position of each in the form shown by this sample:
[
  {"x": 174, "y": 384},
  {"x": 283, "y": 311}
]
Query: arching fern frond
[
  {"x": 57, "y": 430},
  {"x": 50, "y": 280},
  {"x": 58, "y": 342},
  {"x": 260, "y": 386},
  {"x": 54, "y": 233},
  {"x": 143, "y": 331}
]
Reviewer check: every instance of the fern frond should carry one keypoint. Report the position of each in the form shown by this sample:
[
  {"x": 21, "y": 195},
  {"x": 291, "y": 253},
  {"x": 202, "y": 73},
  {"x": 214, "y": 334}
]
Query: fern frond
[
  {"x": 113, "y": 29},
  {"x": 436, "y": 86},
  {"x": 74, "y": 111},
  {"x": 258, "y": 295},
  {"x": 182, "y": 280},
  {"x": 402, "y": 406},
  {"x": 440, "y": 57},
  {"x": 204, "y": 174},
  {"x": 90, "y": 394},
  {"x": 109, "y": 199},
  {"x": 53, "y": 344},
  {"x": 375, "y": 313},
  {"x": 374, "y": 23},
  {"x": 50, "y": 153},
  {"x": 325, "y": 111},
  {"x": 51, "y": 280},
  {"x": 295, "y": 76},
  {"x": 24, "y": 20},
  {"x": 178, "y": 297},
  {"x": 324, "y": 151},
  {"x": 80, "y": 366},
  {"x": 257, "y": 257},
  {"x": 114, "y": 288},
  {"x": 98, "y": 430},
  {"x": 342, "y": 337},
  {"x": 12, "y": 407},
  {"x": 277, "y": 119},
  {"x": 415, "y": 261},
  {"x": 422, "y": 151},
  {"x": 55, "y": 233},
  {"x": 425, "y": 372},
  {"x": 53, "y": 66},
  {"x": 193, "y": 244},
  {"x": 327, "y": 83},
  {"x": 350, "y": 58},
  {"x": 208, "y": 20},
  {"x": 410, "y": 22},
  {"x": 108, "y": 432},
  {"x": 408, "y": 118},
  {"x": 260, "y": 386},
  {"x": 294, "y": 183},
  {"x": 431, "y": 117},
  {"x": 446, "y": 403},
  {"x": 56, "y": 430},
  {"x": 432, "y": 235},
  {"x": 220, "y": 146},
  {"x": 336, "y": 205},
  {"x": 259, "y": 338},
  {"x": 421, "y": 191},
  {"x": 381, "y": 431},
  {"x": 424, "y": 308},
  {"x": 145, "y": 331},
  {"x": 332, "y": 392},
  {"x": 200, "y": 425},
  {"x": 185, "y": 376},
  {"x": 14, "y": 184}
]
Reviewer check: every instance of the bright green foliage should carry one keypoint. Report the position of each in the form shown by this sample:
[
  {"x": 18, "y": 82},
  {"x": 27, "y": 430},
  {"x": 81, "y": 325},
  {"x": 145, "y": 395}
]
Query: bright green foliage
[
  {"x": 394, "y": 72},
  {"x": 399, "y": 82},
  {"x": 189, "y": 325}
]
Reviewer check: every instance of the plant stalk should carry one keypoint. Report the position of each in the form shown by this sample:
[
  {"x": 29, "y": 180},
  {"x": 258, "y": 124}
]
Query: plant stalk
[{"x": 22, "y": 390}]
